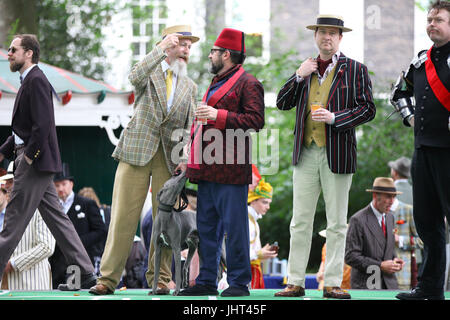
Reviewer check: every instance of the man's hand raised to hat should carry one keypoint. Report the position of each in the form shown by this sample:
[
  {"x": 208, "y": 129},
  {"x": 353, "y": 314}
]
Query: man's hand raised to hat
[
  {"x": 307, "y": 67},
  {"x": 169, "y": 42}
]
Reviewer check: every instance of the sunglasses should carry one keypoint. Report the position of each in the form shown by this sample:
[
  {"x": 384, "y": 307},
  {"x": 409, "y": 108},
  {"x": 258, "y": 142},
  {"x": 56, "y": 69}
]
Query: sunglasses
[
  {"x": 12, "y": 49},
  {"x": 220, "y": 50}
]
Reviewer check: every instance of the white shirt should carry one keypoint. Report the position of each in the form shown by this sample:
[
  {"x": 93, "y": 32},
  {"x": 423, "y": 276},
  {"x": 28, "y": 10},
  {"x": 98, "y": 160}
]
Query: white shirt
[
  {"x": 165, "y": 66},
  {"x": 68, "y": 203},
  {"x": 334, "y": 60},
  {"x": 17, "y": 139},
  {"x": 378, "y": 214},
  {"x": 254, "y": 233}
]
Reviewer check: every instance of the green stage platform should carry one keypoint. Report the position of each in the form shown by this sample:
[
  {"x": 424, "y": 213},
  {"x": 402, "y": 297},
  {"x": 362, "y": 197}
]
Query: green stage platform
[{"x": 141, "y": 294}]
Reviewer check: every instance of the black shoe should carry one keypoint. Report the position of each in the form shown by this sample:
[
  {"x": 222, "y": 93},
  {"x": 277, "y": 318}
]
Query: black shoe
[
  {"x": 235, "y": 292},
  {"x": 419, "y": 294},
  {"x": 199, "y": 290},
  {"x": 87, "y": 281}
]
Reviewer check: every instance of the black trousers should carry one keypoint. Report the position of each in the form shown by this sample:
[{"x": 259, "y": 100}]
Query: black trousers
[{"x": 430, "y": 174}]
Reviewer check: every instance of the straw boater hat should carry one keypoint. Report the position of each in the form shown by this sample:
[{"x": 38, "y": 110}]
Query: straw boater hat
[
  {"x": 9, "y": 173},
  {"x": 328, "y": 20},
  {"x": 384, "y": 185},
  {"x": 184, "y": 32},
  {"x": 401, "y": 165}
]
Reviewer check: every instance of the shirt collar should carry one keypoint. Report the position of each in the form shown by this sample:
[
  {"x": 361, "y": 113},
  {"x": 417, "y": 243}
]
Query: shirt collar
[
  {"x": 165, "y": 66},
  {"x": 254, "y": 214},
  {"x": 377, "y": 213},
  {"x": 69, "y": 199},
  {"x": 24, "y": 74}
]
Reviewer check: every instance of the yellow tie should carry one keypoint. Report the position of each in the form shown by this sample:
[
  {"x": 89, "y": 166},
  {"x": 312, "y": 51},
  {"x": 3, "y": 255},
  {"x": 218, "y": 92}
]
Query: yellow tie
[{"x": 169, "y": 83}]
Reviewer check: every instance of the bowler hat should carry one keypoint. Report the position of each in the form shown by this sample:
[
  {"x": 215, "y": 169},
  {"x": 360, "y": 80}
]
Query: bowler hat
[
  {"x": 401, "y": 165},
  {"x": 64, "y": 174},
  {"x": 384, "y": 185},
  {"x": 327, "y": 20}
]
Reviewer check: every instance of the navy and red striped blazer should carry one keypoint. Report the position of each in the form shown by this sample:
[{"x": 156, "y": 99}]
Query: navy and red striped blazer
[{"x": 351, "y": 101}]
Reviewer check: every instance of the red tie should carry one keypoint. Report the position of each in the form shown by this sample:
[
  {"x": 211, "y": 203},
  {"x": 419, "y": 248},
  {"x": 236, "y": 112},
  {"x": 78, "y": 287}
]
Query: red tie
[{"x": 383, "y": 226}]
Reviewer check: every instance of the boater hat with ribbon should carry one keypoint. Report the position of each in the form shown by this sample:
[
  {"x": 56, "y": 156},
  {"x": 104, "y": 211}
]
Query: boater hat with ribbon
[
  {"x": 183, "y": 31},
  {"x": 328, "y": 20},
  {"x": 384, "y": 185}
]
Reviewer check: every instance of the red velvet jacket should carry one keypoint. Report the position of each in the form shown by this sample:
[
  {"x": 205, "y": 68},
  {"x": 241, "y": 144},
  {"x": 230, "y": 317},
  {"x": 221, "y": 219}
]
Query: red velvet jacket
[{"x": 241, "y": 110}]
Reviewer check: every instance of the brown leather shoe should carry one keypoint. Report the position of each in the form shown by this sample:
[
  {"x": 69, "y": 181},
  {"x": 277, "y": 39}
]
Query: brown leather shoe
[
  {"x": 100, "y": 290},
  {"x": 291, "y": 291},
  {"x": 335, "y": 293},
  {"x": 162, "y": 289}
]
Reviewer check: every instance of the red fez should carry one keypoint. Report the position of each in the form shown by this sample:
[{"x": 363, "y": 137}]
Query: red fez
[{"x": 231, "y": 39}]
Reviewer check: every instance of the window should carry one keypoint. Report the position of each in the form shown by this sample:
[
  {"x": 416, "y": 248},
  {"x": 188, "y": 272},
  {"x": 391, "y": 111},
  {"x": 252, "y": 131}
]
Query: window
[{"x": 149, "y": 19}]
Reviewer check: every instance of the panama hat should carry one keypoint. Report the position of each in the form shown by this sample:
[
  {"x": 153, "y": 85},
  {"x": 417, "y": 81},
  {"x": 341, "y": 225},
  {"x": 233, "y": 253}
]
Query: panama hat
[
  {"x": 384, "y": 185},
  {"x": 183, "y": 31},
  {"x": 328, "y": 20}
]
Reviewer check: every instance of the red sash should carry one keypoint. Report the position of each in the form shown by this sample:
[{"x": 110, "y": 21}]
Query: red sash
[
  {"x": 439, "y": 90},
  {"x": 196, "y": 129}
]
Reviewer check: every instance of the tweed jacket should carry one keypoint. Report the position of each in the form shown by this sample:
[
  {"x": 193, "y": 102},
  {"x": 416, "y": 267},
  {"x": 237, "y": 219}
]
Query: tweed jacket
[
  {"x": 151, "y": 124},
  {"x": 351, "y": 101},
  {"x": 240, "y": 110},
  {"x": 409, "y": 240},
  {"x": 366, "y": 246},
  {"x": 32, "y": 268}
]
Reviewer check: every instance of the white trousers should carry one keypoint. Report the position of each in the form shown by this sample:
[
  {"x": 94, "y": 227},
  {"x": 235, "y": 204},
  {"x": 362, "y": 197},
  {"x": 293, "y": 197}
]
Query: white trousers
[{"x": 311, "y": 176}]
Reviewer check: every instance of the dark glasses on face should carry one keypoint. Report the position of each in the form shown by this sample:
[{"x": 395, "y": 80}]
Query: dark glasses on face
[
  {"x": 213, "y": 50},
  {"x": 12, "y": 49}
]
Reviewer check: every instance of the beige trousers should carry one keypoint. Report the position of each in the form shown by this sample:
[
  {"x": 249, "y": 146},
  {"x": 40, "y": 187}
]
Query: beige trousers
[
  {"x": 311, "y": 176},
  {"x": 131, "y": 186}
]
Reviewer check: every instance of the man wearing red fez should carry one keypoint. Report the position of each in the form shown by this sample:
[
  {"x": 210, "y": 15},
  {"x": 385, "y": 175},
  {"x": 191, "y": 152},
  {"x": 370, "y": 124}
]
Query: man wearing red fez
[
  {"x": 332, "y": 95},
  {"x": 219, "y": 162}
]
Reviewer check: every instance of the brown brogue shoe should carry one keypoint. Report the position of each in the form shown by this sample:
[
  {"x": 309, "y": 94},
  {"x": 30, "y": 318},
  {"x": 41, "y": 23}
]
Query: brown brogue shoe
[
  {"x": 335, "y": 293},
  {"x": 291, "y": 291},
  {"x": 162, "y": 289},
  {"x": 100, "y": 290}
]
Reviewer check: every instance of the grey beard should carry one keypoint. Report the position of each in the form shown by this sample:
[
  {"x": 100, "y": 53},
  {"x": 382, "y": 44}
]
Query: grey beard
[{"x": 179, "y": 68}]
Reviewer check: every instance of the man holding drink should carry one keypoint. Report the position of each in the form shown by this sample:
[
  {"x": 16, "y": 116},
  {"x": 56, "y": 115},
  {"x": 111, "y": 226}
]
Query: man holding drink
[{"x": 332, "y": 95}]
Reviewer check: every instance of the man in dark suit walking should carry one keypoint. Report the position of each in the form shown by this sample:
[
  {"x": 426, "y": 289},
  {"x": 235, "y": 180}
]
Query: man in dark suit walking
[
  {"x": 87, "y": 220},
  {"x": 333, "y": 95},
  {"x": 370, "y": 243},
  {"x": 34, "y": 147}
]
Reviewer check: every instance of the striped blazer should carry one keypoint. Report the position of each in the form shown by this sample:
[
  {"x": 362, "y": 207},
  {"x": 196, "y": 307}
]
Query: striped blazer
[
  {"x": 351, "y": 101},
  {"x": 151, "y": 124},
  {"x": 30, "y": 258}
]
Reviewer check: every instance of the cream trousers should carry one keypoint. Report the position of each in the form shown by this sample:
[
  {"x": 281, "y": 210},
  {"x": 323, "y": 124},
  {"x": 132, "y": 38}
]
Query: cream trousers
[
  {"x": 311, "y": 176},
  {"x": 131, "y": 186}
]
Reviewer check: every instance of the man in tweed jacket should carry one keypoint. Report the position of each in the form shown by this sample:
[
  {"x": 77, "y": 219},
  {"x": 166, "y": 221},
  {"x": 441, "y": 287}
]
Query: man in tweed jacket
[
  {"x": 324, "y": 156},
  {"x": 145, "y": 151}
]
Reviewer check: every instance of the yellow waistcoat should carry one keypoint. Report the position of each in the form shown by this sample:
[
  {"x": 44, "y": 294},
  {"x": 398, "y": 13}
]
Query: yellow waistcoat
[{"x": 315, "y": 131}]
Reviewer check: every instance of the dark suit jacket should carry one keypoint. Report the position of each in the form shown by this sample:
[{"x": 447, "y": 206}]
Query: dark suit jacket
[
  {"x": 366, "y": 246},
  {"x": 351, "y": 101},
  {"x": 85, "y": 216},
  {"x": 33, "y": 121}
]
